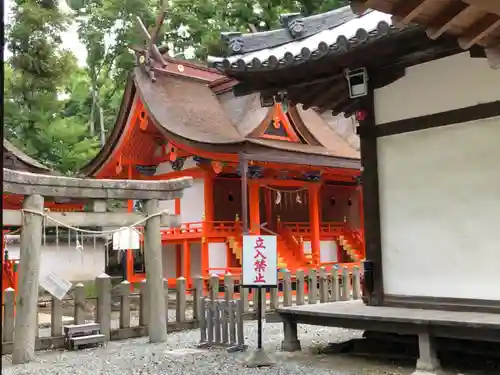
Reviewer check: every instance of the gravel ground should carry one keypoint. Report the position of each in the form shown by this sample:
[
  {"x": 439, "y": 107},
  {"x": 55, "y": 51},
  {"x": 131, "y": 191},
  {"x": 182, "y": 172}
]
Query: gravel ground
[{"x": 179, "y": 357}]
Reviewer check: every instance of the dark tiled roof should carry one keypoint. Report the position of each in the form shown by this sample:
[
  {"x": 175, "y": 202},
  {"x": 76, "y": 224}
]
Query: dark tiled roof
[{"x": 339, "y": 31}]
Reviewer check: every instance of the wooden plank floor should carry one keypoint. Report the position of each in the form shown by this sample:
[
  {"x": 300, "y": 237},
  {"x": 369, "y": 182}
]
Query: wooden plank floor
[{"x": 357, "y": 310}]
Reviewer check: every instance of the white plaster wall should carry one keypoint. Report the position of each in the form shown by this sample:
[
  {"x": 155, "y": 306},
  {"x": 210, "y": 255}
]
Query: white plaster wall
[
  {"x": 169, "y": 261},
  {"x": 193, "y": 202},
  {"x": 167, "y": 205},
  {"x": 328, "y": 251},
  {"x": 67, "y": 262},
  {"x": 217, "y": 256},
  {"x": 195, "y": 259},
  {"x": 437, "y": 86},
  {"x": 440, "y": 209}
]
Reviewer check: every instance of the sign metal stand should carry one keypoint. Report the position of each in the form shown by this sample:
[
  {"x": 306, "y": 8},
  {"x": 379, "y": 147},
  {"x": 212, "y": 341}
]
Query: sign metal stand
[{"x": 265, "y": 246}]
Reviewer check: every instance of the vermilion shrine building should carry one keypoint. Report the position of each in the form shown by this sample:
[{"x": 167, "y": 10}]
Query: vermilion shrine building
[{"x": 303, "y": 175}]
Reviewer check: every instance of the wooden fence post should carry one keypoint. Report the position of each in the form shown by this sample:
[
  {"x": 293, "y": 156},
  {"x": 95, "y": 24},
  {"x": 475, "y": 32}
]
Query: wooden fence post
[
  {"x": 323, "y": 285},
  {"x": 180, "y": 303},
  {"x": 313, "y": 287},
  {"x": 29, "y": 275},
  {"x": 299, "y": 287},
  {"x": 56, "y": 317},
  {"x": 103, "y": 316},
  {"x": 197, "y": 296},
  {"x": 154, "y": 274},
  {"x": 335, "y": 292},
  {"x": 80, "y": 298},
  {"x": 356, "y": 283},
  {"x": 143, "y": 303},
  {"x": 287, "y": 288},
  {"x": 346, "y": 285},
  {"x": 9, "y": 300},
  {"x": 124, "y": 304}
]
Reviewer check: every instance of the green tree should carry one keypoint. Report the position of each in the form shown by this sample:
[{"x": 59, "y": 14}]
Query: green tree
[
  {"x": 107, "y": 28},
  {"x": 36, "y": 75}
]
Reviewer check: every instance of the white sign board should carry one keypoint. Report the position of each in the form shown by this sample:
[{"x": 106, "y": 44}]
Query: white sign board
[
  {"x": 56, "y": 286},
  {"x": 127, "y": 238},
  {"x": 260, "y": 261}
]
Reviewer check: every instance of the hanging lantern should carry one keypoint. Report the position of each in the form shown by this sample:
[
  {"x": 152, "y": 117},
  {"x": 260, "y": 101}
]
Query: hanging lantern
[
  {"x": 172, "y": 152},
  {"x": 217, "y": 166}
]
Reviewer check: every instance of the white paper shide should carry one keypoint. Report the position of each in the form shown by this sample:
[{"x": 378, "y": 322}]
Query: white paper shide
[
  {"x": 127, "y": 238},
  {"x": 260, "y": 261},
  {"x": 56, "y": 286}
]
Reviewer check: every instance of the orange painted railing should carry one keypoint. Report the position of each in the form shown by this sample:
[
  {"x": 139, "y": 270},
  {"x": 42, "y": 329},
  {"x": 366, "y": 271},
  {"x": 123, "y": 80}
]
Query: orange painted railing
[
  {"x": 201, "y": 229},
  {"x": 301, "y": 228}
]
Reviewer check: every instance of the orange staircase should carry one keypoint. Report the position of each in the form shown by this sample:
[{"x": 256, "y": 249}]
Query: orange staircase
[{"x": 353, "y": 244}]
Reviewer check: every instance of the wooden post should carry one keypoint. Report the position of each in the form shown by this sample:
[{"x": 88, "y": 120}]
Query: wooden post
[
  {"x": 143, "y": 304},
  {"x": 244, "y": 192},
  {"x": 125, "y": 304},
  {"x": 79, "y": 296},
  {"x": 180, "y": 300},
  {"x": 254, "y": 206},
  {"x": 197, "y": 297},
  {"x": 9, "y": 300},
  {"x": 56, "y": 318},
  {"x": 154, "y": 274},
  {"x": 29, "y": 275},
  {"x": 287, "y": 288},
  {"x": 314, "y": 219},
  {"x": 208, "y": 190},
  {"x": 186, "y": 259},
  {"x": 103, "y": 286},
  {"x": 299, "y": 287}
]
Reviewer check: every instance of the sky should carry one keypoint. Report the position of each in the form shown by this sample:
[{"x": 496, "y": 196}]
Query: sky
[{"x": 69, "y": 38}]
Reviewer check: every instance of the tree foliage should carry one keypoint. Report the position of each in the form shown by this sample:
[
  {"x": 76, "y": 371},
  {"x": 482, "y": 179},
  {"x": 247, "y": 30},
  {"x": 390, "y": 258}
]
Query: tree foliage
[
  {"x": 50, "y": 102},
  {"x": 197, "y": 24},
  {"x": 36, "y": 75}
]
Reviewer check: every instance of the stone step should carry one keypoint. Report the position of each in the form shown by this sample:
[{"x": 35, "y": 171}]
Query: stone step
[
  {"x": 81, "y": 329},
  {"x": 96, "y": 339}
]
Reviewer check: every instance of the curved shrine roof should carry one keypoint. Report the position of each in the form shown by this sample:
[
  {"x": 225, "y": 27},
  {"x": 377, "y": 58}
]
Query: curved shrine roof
[
  {"x": 189, "y": 110},
  {"x": 15, "y": 159}
]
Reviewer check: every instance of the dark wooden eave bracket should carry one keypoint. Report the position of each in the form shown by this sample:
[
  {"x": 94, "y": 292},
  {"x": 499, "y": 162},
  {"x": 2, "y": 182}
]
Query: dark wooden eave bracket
[{"x": 483, "y": 32}]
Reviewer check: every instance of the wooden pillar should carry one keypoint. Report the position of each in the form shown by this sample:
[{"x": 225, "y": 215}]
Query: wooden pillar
[
  {"x": 157, "y": 327},
  {"x": 208, "y": 219},
  {"x": 371, "y": 209},
  {"x": 178, "y": 247},
  {"x": 269, "y": 208},
  {"x": 244, "y": 191},
  {"x": 26, "y": 325},
  {"x": 129, "y": 261},
  {"x": 314, "y": 220},
  {"x": 186, "y": 272},
  {"x": 254, "y": 207}
]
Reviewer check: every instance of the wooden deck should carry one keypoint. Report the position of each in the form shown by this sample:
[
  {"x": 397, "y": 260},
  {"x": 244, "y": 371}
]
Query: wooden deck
[{"x": 356, "y": 315}]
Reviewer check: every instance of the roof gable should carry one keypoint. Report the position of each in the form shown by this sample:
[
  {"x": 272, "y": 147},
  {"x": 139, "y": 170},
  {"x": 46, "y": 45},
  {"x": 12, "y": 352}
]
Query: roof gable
[{"x": 277, "y": 125}]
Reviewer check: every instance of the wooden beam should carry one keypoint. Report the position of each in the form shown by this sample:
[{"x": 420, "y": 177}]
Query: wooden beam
[
  {"x": 409, "y": 9},
  {"x": 485, "y": 5},
  {"x": 443, "y": 21},
  {"x": 90, "y": 219},
  {"x": 493, "y": 56},
  {"x": 479, "y": 31}
]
